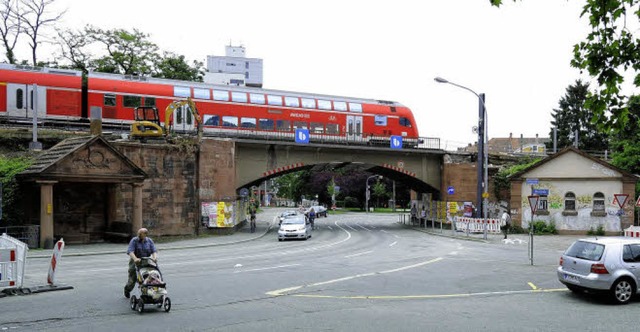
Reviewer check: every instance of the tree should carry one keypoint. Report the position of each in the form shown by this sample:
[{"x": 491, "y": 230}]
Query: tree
[
  {"x": 11, "y": 28},
  {"x": 572, "y": 116},
  {"x": 624, "y": 145},
  {"x": 380, "y": 191},
  {"x": 74, "y": 49},
  {"x": 129, "y": 53},
  {"x": 173, "y": 66},
  {"x": 608, "y": 53},
  {"x": 35, "y": 16}
]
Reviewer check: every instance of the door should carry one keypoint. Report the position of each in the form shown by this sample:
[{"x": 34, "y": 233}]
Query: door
[
  {"x": 354, "y": 128},
  {"x": 183, "y": 121},
  {"x": 22, "y": 99}
]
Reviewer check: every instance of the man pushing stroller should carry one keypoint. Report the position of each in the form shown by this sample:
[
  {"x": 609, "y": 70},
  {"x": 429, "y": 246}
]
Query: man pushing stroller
[{"x": 139, "y": 247}]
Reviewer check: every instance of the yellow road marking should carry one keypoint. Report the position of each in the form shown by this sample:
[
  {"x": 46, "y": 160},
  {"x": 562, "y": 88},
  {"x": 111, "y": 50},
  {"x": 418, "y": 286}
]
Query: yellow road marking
[
  {"x": 425, "y": 297},
  {"x": 532, "y": 286}
]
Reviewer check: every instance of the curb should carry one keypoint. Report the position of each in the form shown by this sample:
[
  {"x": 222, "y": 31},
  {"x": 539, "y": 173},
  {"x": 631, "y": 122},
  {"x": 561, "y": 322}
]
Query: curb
[
  {"x": 33, "y": 290},
  {"x": 111, "y": 252},
  {"x": 466, "y": 238}
]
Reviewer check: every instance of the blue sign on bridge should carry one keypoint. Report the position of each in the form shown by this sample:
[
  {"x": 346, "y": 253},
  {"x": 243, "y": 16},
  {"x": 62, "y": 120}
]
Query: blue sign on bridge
[
  {"x": 302, "y": 136},
  {"x": 396, "y": 142}
]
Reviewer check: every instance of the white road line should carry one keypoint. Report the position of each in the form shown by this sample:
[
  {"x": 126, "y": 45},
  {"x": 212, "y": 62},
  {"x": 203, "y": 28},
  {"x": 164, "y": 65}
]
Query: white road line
[
  {"x": 355, "y": 230},
  {"x": 393, "y": 244},
  {"x": 268, "y": 268},
  {"x": 341, "y": 279},
  {"x": 382, "y": 230},
  {"x": 359, "y": 254},
  {"x": 330, "y": 228},
  {"x": 363, "y": 227},
  {"x": 413, "y": 266}
]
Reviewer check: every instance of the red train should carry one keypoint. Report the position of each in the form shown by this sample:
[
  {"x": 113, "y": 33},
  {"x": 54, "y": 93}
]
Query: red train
[{"x": 61, "y": 94}]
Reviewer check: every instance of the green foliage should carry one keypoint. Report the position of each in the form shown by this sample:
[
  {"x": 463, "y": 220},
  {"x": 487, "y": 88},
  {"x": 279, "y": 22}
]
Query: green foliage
[
  {"x": 599, "y": 231},
  {"x": 380, "y": 191},
  {"x": 128, "y": 52},
  {"x": 173, "y": 66},
  {"x": 11, "y": 194},
  {"x": 541, "y": 228},
  {"x": 501, "y": 180}
]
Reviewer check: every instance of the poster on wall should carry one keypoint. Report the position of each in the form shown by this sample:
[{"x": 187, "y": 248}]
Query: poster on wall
[
  {"x": 210, "y": 213},
  {"x": 226, "y": 214},
  {"x": 468, "y": 209}
]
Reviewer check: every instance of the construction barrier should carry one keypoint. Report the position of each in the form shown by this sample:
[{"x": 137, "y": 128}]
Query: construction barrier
[
  {"x": 476, "y": 225},
  {"x": 13, "y": 259},
  {"x": 633, "y": 231},
  {"x": 55, "y": 260}
]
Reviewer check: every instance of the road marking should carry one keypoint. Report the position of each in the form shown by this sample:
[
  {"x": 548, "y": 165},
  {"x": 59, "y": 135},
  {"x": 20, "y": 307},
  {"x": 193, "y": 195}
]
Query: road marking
[
  {"x": 268, "y": 268},
  {"x": 532, "y": 286},
  {"x": 284, "y": 291},
  {"x": 425, "y": 297},
  {"x": 330, "y": 228},
  {"x": 382, "y": 230},
  {"x": 363, "y": 227},
  {"x": 359, "y": 254},
  {"x": 393, "y": 244},
  {"x": 355, "y": 230}
]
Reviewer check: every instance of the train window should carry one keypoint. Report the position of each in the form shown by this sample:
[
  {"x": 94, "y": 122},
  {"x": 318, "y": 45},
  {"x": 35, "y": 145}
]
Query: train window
[
  {"x": 380, "y": 120},
  {"x": 405, "y": 122},
  {"x": 283, "y": 125},
  {"x": 181, "y": 91},
  {"x": 333, "y": 128},
  {"x": 324, "y": 104},
  {"x": 31, "y": 99},
  {"x": 300, "y": 125},
  {"x": 211, "y": 120},
  {"x": 274, "y": 100},
  {"x": 220, "y": 95},
  {"x": 149, "y": 101},
  {"x": 240, "y": 97},
  {"x": 257, "y": 98},
  {"x": 248, "y": 123},
  {"x": 266, "y": 124},
  {"x": 339, "y": 105},
  {"x": 230, "y": 121},
  {"x": 109, "y": 99},
  {"x": 308, "y": 103},
  {"x": 291, "y": 101},
  {"x": 201, "y": 93},
  {"x": 355, "y": 107},
  {"x": 316, "y": 128},
  {"x": 19, "y": 99},
  {"x": 131, "y": 101}
]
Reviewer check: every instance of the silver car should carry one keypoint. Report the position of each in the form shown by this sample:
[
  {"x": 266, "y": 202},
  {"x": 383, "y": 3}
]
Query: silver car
[
  {"x": 294, "y": 227},
  {"x": 609, "y": 264}
]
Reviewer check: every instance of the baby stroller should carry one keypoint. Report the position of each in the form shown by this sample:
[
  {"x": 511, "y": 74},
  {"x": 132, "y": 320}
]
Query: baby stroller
[{"x": 152, "y": 287}]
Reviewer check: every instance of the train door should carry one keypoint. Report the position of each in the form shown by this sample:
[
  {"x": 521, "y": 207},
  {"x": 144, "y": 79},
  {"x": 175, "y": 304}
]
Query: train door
[
  {"x": 354, "y": 128},
  {"x": 22, "y": 99},
  {"x": 183, "y": 121}
]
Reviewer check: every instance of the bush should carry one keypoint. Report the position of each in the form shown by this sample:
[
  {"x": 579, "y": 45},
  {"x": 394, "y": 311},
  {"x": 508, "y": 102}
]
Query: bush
[
  {"x": 540, "y": 228},
  {"x": 11, "y": 193},
  {"x": 598, "y": 232}
]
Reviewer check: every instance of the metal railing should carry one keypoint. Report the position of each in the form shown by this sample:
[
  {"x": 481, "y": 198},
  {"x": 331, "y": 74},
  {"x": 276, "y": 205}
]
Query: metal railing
[{"x": 29, "y": 234}]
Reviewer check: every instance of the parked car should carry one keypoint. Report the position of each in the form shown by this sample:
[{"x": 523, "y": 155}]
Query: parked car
[
  {"x": 294, "y": 227},
  {"x": 320, "y": 211},
  {"x": 607, "y": 265},
  {"x": 285, "y": 214}
]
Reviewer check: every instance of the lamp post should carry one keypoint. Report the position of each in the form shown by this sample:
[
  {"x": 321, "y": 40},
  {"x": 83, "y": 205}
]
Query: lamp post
[
  {"x": 366, "y": 192},
  {"x": 483, "y": 187}
]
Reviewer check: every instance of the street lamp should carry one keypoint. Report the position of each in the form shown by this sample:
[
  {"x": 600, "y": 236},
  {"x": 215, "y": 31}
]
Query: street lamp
[
  {"x": 483, "y": 187},
  {"x": 366, "y": 192}
]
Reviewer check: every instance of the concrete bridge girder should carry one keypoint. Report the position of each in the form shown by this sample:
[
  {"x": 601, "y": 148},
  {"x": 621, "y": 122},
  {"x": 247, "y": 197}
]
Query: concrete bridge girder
[{"x": 256, "y": 162}]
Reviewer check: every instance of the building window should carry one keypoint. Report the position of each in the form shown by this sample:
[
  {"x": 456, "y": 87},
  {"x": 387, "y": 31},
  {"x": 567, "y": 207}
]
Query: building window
[
  {"x": 246, "y": 75},
  {"x": 570, "y": 204},
  {"x": 246, "y": 65},
  {"x": 598, "y": 205},
  {"x": 543, "y": 208}
]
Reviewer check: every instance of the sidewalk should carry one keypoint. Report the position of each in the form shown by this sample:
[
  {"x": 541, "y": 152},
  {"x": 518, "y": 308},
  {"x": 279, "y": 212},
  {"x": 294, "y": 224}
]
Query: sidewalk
[{"x": 242, "y": 235}]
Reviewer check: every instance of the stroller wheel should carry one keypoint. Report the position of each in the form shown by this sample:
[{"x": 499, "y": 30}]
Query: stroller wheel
[
  {"x": 140, "y": 306},
  {"x": 167, "y": 304},
  {"x": 133, "y": 303}
]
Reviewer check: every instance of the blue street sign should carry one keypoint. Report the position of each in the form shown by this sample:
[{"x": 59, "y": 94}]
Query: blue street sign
[
  {"x": 302, "y": 136},
  {"x": 540, "y": 192},
  {"x": 450, "y": 190},
  {"x": 532, "y": 181},
  {"x": 244, "y": 192},
  {"x": 396, "y": 142}
]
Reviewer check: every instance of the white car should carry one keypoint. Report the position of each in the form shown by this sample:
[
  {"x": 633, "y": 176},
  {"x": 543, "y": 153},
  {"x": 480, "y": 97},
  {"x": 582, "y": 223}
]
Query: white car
[
  {"x": 294, "y": 227},
  {"x": 285, "y": 214}
]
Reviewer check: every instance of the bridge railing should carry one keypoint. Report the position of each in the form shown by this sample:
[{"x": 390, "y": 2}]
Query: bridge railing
[{"x": 365, "y": 140}]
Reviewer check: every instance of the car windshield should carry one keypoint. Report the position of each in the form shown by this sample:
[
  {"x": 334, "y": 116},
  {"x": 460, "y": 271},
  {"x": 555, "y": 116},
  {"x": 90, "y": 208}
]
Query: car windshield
[
  {"x": 293, "y": 221},
  {"x": 585, "y": 250}
]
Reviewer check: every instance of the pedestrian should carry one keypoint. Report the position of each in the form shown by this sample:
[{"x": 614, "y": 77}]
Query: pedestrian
[
  {"x": 414, "y": 213},
  {"x": 423, "y": 215},
  {"x": 505, "y": 223},
  {"x": 139, "y": 247}
]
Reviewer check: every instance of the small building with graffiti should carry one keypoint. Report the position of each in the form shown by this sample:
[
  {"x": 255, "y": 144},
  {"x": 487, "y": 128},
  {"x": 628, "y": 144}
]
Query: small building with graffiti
[{"x": 576, "y": 192}]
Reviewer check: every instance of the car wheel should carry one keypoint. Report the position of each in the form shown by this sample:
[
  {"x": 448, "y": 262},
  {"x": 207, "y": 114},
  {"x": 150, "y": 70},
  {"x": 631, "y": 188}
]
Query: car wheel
[{"x": 622, "y": 291}]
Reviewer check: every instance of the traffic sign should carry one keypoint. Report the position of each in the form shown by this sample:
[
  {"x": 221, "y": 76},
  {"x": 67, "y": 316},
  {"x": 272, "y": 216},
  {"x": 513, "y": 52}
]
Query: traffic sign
[
  {"x": 450, "y": 190},
  {"x": 532, "y": 181},
  {"x": 396, "y": 142},
  {"x": 485, "y": 195},
  {"x": 302, "y": 136},
  {"x": 621, "y": 199},
  {"x": 244, "y": 192},
  {"x": 533, "y": 203}
]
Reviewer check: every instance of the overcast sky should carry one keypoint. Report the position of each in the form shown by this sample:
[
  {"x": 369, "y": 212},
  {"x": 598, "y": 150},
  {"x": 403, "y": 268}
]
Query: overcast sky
[{"x": 518, "y": 55}]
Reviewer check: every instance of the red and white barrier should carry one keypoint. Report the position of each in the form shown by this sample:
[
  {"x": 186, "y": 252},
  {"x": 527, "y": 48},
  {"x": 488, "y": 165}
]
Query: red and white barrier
[
  {"x": 55, "y": 260},
  {"x": 476, "y": 225},
  {"x": 8, "y": 268},
  {"x": 633, "y": 231}
]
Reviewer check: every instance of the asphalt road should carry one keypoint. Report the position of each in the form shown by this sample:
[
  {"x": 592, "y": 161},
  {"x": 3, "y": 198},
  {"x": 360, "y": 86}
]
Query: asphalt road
[{"x": 357, "y": 273}]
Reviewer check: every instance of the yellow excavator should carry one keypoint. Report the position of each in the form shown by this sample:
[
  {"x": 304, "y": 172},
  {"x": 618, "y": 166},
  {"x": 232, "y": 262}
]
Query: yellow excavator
[{"x": 147, "y": 122}]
